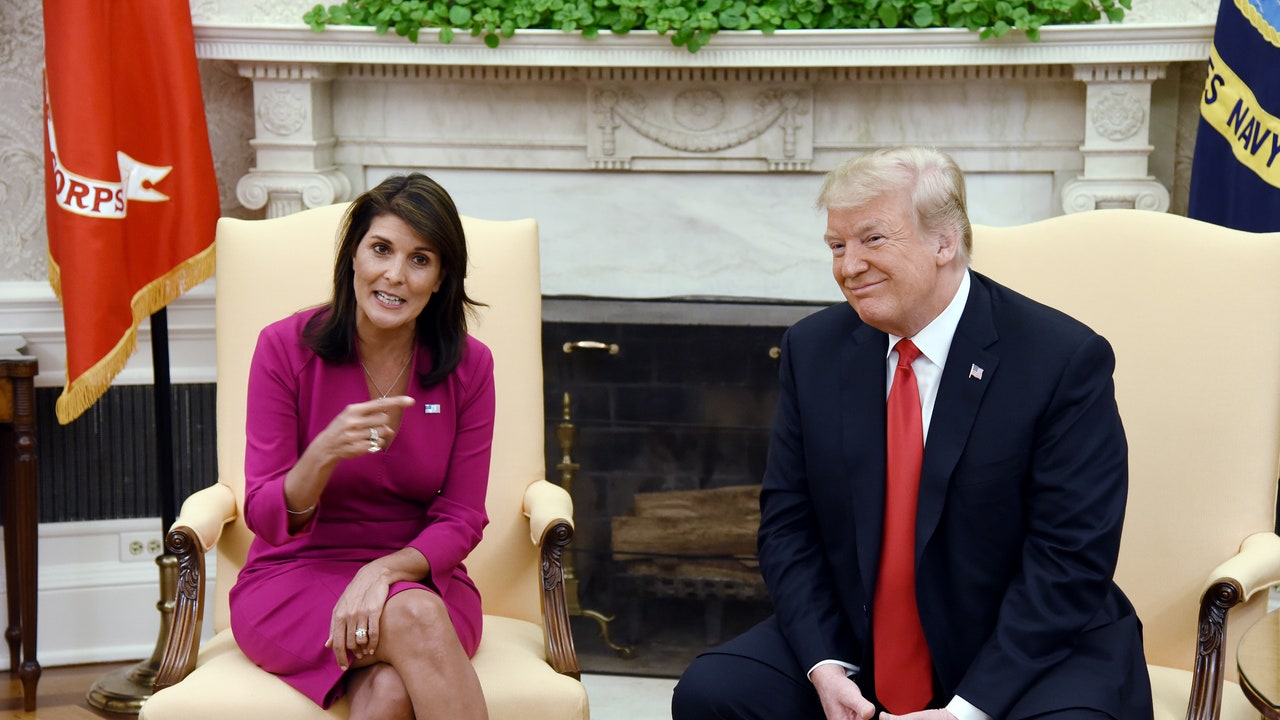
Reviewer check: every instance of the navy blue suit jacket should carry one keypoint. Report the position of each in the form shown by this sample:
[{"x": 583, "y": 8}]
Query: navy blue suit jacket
[{"x": 1022, "y": 498}]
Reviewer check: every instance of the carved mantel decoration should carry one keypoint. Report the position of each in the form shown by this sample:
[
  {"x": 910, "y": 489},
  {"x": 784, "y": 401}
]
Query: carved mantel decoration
[
  {"x": 1076, "y": 104},
  {"x": 700, "y": 114}
]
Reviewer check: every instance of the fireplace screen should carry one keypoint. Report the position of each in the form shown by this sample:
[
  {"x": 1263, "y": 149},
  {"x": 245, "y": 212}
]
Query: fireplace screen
[{"x": 660, "y": 429}]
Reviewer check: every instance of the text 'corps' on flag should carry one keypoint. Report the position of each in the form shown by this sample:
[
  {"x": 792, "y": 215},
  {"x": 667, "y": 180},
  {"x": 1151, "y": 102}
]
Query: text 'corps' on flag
[
  {"x": 131, "y": 200},
  {"x": 1235, "y": 174}
]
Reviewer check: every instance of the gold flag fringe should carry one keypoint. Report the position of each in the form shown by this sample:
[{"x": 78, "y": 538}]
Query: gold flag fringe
[
  {"x": 55, "y": 275},
  {"x": 79, "y": 394}
]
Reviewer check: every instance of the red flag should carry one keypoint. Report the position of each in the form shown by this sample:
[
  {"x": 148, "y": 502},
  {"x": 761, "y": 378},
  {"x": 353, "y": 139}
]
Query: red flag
[{"x": 131, "y": 200}]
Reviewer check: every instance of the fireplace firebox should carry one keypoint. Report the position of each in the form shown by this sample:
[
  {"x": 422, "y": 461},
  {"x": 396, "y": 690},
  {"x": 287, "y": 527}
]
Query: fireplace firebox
[{"x": 666, "y": 405}]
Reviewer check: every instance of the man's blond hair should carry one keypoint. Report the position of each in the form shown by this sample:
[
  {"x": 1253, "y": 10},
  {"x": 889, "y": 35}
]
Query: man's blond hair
[{"x": 934, "y": 180}]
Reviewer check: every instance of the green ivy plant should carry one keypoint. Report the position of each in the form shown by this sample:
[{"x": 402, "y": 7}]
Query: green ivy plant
[{"x": 692, "y": 23}]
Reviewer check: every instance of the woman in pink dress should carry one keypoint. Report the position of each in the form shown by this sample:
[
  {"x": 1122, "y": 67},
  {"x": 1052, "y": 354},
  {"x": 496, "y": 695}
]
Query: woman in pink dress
[{"x": 370, "y": 423}]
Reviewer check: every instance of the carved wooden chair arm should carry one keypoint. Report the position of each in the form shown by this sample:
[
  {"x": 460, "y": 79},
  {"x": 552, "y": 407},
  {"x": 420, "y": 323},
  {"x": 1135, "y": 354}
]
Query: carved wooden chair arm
[
  {"x": 197, "y": 529},
  {"x": 179, "y": 657},
  {"x": 550, "y": 512},
  {"x": 1256, "y": 567},
  {"x": 561, "y": 654}
]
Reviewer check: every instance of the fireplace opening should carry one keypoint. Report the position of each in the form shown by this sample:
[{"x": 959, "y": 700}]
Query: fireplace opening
[{"x": 658, "y": 416}]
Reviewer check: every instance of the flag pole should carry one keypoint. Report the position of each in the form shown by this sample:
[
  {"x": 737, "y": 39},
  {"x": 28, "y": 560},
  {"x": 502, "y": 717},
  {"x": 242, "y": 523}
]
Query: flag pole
[
  {"x": 165, "y": 475},
  {"x": 124, "y": 690}
]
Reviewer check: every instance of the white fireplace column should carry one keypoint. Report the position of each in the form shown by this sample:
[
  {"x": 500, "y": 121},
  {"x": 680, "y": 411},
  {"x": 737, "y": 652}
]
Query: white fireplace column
[
  {"x": 1117, "y": 143},
  {"x": 293, "y": 139}
]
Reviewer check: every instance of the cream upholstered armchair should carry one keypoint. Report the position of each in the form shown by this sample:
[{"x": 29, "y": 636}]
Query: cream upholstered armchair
[
  {"x": 1193, "y": 312},
  {"x": 526, "y": 660}
]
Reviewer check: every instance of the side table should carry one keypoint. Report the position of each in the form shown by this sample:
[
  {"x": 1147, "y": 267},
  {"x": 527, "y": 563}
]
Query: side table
[
  {"x": 1258, "y": 659},
  {"x": 18, "y": 476}
]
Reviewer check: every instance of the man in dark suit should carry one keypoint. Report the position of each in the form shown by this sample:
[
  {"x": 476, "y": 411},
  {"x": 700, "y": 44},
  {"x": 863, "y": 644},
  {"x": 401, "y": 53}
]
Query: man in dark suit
[{"x": 1013, "y": 501}]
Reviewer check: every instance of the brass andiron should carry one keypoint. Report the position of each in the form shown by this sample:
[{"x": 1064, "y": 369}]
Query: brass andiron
[
  {"x": 565, "y": 433},
  {"x": 124, "y": 690}
]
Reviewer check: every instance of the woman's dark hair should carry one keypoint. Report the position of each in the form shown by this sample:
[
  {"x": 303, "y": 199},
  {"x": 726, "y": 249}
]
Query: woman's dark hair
[{"x": 442, "y": 326}]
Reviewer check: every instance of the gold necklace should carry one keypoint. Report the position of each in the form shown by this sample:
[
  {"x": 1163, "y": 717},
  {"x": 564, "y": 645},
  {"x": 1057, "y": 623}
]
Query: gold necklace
[{"x": 392, "y": 386}]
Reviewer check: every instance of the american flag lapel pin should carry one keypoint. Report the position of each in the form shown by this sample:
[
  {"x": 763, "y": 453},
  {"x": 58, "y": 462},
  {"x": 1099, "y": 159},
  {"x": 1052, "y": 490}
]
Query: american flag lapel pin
[
  {"x": 431, "y": 408},
  {"x": 975, "y": 372}
]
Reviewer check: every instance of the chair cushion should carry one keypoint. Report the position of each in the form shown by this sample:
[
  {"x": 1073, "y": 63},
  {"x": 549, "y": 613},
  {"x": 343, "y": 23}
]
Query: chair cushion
[
  {"x": 518, "y": 684},
  {"x": 1171, "y": 687}
]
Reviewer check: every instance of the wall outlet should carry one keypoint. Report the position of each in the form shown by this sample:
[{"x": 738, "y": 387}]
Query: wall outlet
[{"x": 136, "y": 546}]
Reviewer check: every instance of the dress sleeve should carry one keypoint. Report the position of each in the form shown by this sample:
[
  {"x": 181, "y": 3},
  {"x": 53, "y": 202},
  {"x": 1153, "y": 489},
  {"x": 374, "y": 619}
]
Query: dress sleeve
[
  {"x": 272, "y": 444},
  {"x": 457, "y": 517}
]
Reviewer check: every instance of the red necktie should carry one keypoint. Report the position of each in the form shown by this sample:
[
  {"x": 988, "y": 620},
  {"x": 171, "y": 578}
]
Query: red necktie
[{"x": 903, "y": 669}]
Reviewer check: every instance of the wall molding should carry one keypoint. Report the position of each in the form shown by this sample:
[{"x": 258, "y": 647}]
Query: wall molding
[
  {"x": 31, "y": 310},
  {"x": 92, "y": 606}
]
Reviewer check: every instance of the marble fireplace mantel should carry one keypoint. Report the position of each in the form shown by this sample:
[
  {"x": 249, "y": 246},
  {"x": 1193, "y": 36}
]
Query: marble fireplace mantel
[
  {"x": 1058, "y": 125},
  {"x": 1058, "y": 45},
  {"x": 659, "y": 173}
]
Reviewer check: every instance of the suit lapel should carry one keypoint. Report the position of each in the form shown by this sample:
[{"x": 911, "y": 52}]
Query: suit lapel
[
  {"x": 964, "y": 381},
  {"x": 863, "y": 440}
]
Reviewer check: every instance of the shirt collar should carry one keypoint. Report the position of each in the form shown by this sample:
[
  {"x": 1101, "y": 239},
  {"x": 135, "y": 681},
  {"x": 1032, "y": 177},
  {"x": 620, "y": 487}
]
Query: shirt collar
[{"x": 934, "y": 341}]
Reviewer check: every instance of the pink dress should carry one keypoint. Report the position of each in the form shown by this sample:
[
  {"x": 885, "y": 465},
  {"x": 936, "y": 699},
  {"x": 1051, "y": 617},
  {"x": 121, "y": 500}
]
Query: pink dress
[{"x": 425, "y": 491}]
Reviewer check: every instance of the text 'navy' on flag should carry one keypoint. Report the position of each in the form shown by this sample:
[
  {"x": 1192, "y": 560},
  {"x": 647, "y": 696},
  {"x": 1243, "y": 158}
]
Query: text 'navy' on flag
[{"x": 1235, "y": 173}]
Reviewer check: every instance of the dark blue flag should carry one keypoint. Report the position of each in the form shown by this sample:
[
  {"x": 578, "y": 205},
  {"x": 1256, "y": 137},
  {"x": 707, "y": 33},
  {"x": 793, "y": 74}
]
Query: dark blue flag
[{"x": 1235, "y": 174}]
